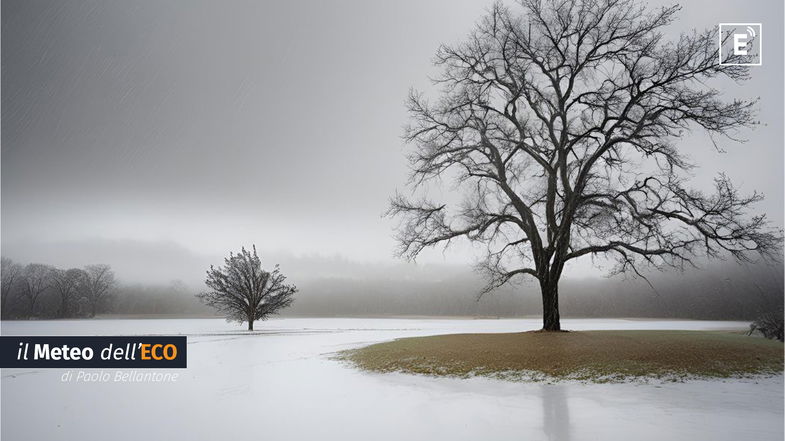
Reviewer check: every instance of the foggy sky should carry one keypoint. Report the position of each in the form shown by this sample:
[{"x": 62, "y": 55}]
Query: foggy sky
[{"x": 210, "y": 125}]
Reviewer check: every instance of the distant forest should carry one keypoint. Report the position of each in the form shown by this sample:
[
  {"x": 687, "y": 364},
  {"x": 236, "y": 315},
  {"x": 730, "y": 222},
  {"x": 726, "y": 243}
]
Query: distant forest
[{"x": 725, "y": 291}]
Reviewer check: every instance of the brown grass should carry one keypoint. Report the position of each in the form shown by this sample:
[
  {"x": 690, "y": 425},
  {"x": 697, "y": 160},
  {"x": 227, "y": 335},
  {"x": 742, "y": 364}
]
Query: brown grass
[{"x": 585, "y": 355}]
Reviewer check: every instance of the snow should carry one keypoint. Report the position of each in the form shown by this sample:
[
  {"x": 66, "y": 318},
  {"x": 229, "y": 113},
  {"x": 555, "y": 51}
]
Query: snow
[{"x": 280, "y": 383}]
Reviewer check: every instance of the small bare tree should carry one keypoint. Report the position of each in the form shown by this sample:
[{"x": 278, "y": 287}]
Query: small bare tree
[
  {"x": 243, "y": 291},
  {"x": 10, "y": 273},
  {"x": 770, "y": 324},
  {"x": 98, "y": 286},
  {"x": 561, "y": 126},
  {"x": 770, "y": 321}
]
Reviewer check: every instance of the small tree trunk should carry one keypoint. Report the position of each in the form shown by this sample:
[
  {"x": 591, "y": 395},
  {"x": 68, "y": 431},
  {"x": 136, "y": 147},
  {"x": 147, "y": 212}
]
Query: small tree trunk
[
  {"x": 250, "y": 318},
  {"x": 550, "y": 306}
]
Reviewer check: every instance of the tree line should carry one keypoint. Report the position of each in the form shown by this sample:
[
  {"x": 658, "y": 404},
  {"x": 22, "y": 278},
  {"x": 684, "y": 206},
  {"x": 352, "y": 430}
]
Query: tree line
[
  {"x": 718, "y": 292},
  {"x": 38, "y": 290}
]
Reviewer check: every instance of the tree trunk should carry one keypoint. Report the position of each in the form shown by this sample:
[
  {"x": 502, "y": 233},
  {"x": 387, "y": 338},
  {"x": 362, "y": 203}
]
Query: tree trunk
[
  {"x": 250, "y": 323},
  {"x": 550, "y": 306}
]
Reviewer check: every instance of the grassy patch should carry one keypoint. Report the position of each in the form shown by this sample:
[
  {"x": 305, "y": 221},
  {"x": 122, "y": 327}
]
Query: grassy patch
[{"x": 585, "y": 355}]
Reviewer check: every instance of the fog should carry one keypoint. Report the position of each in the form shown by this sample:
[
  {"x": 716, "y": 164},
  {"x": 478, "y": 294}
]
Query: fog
[
  {"x": 157, "y": 139},
  {"x": 142, "y": 142},
  {"x": 163, "y": 278},
  {"x": 229, "y": 123}
]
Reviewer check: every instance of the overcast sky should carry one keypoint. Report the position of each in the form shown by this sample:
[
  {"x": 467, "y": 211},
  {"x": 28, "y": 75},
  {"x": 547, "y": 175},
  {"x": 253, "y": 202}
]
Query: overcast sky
[{"x": 208, "y": 125}]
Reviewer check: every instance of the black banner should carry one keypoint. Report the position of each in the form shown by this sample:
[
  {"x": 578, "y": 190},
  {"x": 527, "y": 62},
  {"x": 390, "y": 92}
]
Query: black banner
[{"x": 160, "y": 352}]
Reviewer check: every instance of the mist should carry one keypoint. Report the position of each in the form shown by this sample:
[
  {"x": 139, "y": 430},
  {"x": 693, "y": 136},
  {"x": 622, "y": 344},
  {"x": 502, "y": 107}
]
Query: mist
[
  {"x": 217, "y": 126},
  {"x": 162, "y": 279},
  {"x": 157, "y": 139},
  {"x": 420, "y": 220}
]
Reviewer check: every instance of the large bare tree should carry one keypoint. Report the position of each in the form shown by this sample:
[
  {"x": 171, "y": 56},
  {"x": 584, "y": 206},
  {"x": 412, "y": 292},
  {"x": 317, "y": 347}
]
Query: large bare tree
[
  {"x": 245, "y": 292},
  {"x": 560, "y": 122}
]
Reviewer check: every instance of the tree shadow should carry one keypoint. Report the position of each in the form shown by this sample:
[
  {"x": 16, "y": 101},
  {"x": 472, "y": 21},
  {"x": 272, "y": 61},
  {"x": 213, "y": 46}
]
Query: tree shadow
[{"x": 555, "y": 413}]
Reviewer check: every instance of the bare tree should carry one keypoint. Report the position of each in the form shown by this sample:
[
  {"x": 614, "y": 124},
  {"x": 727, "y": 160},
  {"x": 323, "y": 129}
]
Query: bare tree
[
  {"x": 770, "y": 320},
  {"x": 68, "y": 284},
  {"x": 10, "y": 273},
  {"x": 561, "y": 125},
  {"x": 36, "y": 278},
  {"x": 243, "y": 291},
  {"x": 770, "y": 324},
  {"x": 99, "y": 283}
]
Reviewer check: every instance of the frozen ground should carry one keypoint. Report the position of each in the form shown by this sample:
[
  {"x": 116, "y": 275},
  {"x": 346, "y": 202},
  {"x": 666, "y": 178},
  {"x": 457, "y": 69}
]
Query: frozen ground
[{"x": 279, "y": 384}]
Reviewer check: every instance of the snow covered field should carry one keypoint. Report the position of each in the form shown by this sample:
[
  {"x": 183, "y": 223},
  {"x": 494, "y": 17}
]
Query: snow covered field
[{"x": 280, "y": 384}]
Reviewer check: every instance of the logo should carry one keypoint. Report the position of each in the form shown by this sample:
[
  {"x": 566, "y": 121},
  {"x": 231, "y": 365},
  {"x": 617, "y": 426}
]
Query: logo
[
  {"x": 158, "y": 352},
  {"x": 741, "y": 44}
]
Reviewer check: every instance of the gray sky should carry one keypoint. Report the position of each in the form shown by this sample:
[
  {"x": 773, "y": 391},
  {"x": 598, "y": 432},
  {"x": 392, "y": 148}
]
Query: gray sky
[{"x": 208, "y": 125}]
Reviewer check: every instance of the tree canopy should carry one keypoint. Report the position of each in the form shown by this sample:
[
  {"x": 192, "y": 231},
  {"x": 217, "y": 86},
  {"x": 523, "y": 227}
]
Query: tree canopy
[
  {"x": 243, "y": 291},
  {"x": 561, "y": 125}
]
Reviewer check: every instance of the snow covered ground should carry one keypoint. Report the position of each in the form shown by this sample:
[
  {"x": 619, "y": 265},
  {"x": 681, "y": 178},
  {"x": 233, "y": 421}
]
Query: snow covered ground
[{"x": 280, "y": 384}]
